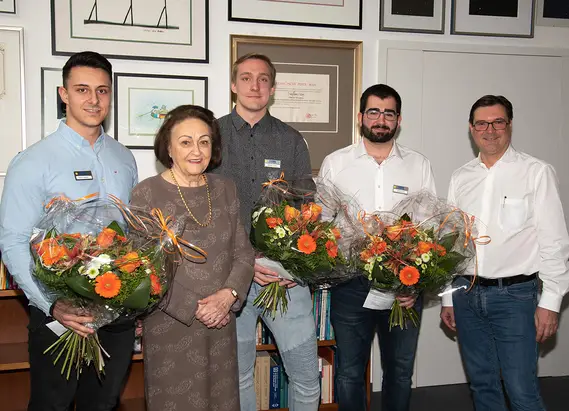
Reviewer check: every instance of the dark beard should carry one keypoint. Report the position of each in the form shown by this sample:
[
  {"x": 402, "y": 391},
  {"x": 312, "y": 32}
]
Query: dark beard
[{"x": 384, "y": 138}]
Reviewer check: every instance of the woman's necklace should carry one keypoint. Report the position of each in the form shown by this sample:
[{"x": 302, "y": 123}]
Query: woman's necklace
[{"x": 209, "y": 214}]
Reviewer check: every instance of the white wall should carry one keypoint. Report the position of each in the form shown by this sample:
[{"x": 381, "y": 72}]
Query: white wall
[{"x": 34, "y": 16}]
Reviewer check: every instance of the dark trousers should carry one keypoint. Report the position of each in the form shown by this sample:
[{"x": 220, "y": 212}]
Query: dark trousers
[
  {"x": 354, "y": 328},
  {"x": 51, "y": 391}
]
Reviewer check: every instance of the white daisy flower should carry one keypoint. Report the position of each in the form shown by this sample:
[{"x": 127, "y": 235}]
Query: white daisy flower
[
  {"x": 425, "y": 257},
  {"x": 280, "y": 232},
  {"x": 102, "y": 259},
  {"x": 92, "y": 272},
  {"x": 81, "y": 269},
  {"x": 418, "y": 261}
]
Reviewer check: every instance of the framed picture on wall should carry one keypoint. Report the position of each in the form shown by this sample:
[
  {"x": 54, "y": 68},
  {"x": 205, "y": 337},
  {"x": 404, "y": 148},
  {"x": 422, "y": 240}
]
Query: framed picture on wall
[
  {"x": 8, "y": 6},
  {"x": 12, "y": 94},
  {"x": 142, "y": 101},
  {"x": 418, "y": 16},
  {"x": 504, "y": 18},
  {"x": 341, "y": 14},
  {"x": 166, "y": 30},
  {"x": 53, "y": 109},
  {"x": 553, "y": 13},
  {"x": 317, "y": 87}
]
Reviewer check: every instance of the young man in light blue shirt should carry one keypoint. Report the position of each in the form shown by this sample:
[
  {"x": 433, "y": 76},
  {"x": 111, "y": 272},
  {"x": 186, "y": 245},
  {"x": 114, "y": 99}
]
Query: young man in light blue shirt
[{"x": 76, "y": 160}]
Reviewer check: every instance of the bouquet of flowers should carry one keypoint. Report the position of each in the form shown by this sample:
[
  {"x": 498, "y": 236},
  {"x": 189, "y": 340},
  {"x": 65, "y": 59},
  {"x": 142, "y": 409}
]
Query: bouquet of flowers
[
  {"x": 419, "y": 246},
  {"x": 83, "y": 254},
  {"x": 289, "y": 230}
]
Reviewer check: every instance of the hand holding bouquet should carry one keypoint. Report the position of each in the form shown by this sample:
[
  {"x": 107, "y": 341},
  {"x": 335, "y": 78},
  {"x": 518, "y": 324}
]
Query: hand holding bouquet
[
  {"x": 83, "y": 255},
  {"x": 288, "y": 230},
  {"x": 417, "y": 247}
]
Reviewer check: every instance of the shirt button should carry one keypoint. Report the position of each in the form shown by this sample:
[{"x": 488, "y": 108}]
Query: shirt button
[
  {"x": 102, "y": 180},
  {"x": 252, "y": 158}
]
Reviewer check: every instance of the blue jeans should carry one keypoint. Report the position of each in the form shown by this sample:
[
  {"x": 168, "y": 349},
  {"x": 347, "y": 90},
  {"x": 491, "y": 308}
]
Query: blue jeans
[
  {"x": 295, "y": 336},
  {"x": 355, "y": 327},
  {"x": 496, "y": 334}
]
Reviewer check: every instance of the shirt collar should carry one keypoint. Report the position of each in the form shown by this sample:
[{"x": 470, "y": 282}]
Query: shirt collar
[
  {"x": 239, "y": 123},
  {"x": 76, "y": 139},
  {"x": 508, "y": 157},
  {"x": 360, "y": 150}
]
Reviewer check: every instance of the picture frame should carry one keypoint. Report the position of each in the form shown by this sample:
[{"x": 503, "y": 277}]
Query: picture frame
[
  {"x": 413, "y": 16},
  {"x": 141, "y": 101},
  {"x": 12, "y": 94},
  {"x": 339, "y": 14},
  {"x": 506, "y": 18},
  {"x": 52, "y": 108},
  {"x": 552, "y": 13},
  {"x": 162, "y": 30},
  {"x": 319, "y": 72},
  {"x": 8, "y": 6}
]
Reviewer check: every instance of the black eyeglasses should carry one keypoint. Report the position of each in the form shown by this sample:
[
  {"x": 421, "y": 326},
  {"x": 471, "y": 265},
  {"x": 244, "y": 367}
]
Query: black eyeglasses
[
  {"x": 375, "y": 113},
  {"x": 499, "y": 124}
]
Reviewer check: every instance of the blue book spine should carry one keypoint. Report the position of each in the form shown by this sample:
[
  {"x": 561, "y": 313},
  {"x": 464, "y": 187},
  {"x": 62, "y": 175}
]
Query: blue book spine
[{"x": 274, "y": 393}]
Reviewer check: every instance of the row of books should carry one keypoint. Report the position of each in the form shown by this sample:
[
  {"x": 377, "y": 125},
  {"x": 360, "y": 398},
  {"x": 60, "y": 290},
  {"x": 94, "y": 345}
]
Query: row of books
[
  {"x": 321, "y": 311},
  {"x": 6, "y": 280},
  {"x": 272, "y": 386}
]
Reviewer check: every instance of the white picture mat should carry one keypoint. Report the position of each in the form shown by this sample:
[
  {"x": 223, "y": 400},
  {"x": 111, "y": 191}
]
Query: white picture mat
[
  {"x": 51, "y": 80},
  {"x": 12, "y": 96},
  {"x": 348, "y": 14},
  {"x": 464, "y": 23},
  {"x": 187, "y": 43},
  {"x": 196, "y": 88},
  {"x": 413, "y": 23},
  {"x": 546, "y": 21}
]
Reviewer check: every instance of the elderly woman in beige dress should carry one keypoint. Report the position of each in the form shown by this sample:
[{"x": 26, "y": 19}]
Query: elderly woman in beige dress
[{"x": 190, "y": 346}]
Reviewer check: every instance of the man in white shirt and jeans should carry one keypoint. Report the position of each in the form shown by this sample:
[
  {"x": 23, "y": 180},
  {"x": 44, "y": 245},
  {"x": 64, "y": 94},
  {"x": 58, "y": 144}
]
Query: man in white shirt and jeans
[
  {"x": 499, "y": 320},
  {"x": 378, "y": 173}
]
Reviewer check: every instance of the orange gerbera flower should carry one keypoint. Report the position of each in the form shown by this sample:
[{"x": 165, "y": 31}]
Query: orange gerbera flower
[
  {"x": 441, "y": 250},
  {"x": 105, "y": 237},
  {"x": 129, "y": 262},
  {"x": 290, "y": 213},
  {"x": 306, "y": 244},
  {"x": 155, "y": 286},
  {"x": 332, "y": 249},
  {"x": 50, "y": 251},
  {"x": 409, "y": 275},
  {"x": 424, "y": 247},
  {"x": 272, "y": 222},
  {"x": 311, "y": 211},
  {"x": 378, "y": 247},
  {"x": 336, "y": 232},
  {"x": 108, "y": 285}
]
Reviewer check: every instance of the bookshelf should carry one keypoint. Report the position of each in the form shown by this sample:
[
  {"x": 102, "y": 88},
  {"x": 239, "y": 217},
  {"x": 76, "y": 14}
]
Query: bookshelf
[{"x": 14, "y": 365}]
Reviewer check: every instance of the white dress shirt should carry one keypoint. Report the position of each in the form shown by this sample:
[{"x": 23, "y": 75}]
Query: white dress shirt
[
  {"x": 517, "y": 201},
  {"x": 378, "y": 187}
]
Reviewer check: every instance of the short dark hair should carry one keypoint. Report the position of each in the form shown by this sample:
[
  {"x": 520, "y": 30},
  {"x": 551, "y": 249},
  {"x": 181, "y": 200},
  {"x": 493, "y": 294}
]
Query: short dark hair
[
  {"x": 176, "y": 116},
  {"x": 382, "y": 91},
  {"x": 491, "y": 100},
  {"x": 254, "y": 56},
  {"x": 87, "y": 59}
]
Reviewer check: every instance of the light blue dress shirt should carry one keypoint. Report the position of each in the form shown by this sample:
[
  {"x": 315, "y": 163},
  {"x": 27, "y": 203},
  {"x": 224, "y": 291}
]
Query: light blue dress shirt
[{"x": 48, "y": 169}]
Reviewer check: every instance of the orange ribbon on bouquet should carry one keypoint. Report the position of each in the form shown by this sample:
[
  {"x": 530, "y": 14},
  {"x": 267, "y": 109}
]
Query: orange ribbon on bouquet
[{"x": 68, "y": 200}]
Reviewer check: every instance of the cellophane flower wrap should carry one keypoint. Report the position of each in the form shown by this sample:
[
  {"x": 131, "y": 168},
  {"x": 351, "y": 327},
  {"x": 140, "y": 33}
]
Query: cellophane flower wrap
[
  {"x": 419, "y": 246},
  {"x": 109, "y": 261},
  {"x": 302, "y": 230}
]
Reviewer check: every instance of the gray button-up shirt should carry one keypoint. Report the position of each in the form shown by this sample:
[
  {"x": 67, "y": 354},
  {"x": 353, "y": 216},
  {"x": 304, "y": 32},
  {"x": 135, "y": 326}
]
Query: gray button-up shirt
[{"x": 254, "y": 155}]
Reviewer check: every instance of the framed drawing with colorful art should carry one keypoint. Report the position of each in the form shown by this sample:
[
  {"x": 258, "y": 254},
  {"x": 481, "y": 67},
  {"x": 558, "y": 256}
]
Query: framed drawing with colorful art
[
  {"x": 417, "y": 16},
  {"x": 12, "y": 94},
  {"x": 8, "y": 6},
  {"x": 317, "y": 87},
  {"x": 167, "y": 30},
  {"x": 504, "y": 18},
  {"x": 340, "y": 14},
  {"x": 142, "y": 101}
]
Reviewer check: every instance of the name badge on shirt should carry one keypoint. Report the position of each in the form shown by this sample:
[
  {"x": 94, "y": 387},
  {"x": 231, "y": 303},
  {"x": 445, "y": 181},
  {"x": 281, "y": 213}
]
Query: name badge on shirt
[
  {"x": 83, "y": 175},
  {"x": 400, "y": 189},
  {"x": 272, "y": 163}
]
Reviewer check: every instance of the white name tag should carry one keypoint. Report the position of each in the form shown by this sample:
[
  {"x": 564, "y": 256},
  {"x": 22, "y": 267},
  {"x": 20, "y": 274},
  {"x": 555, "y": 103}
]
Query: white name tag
[
  {"x": 272, "y": 163},
  {"x": 83, "y": 175},
  {"x": 400, "y": 189}
]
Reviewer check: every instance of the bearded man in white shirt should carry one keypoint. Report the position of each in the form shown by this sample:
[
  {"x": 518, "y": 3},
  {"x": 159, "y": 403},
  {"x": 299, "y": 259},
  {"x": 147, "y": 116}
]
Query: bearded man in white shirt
[
  {"x": 499, "y": 320},
  {"x": 378, "y": 173}
]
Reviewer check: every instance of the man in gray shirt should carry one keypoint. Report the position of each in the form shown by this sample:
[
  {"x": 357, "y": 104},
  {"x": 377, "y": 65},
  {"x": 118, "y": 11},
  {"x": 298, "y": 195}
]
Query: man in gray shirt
[{"x": 258, "y": 147}]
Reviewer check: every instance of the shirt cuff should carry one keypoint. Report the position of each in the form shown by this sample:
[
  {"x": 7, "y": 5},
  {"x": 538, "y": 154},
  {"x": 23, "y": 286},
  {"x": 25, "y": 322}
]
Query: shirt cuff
[
  {"x": 446, "y": 300},
  {"x": 550, "y": 301}
]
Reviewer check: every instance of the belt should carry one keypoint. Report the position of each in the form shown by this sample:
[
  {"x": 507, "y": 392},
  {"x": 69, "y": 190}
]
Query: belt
[{"x": 506, "y": 281}]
